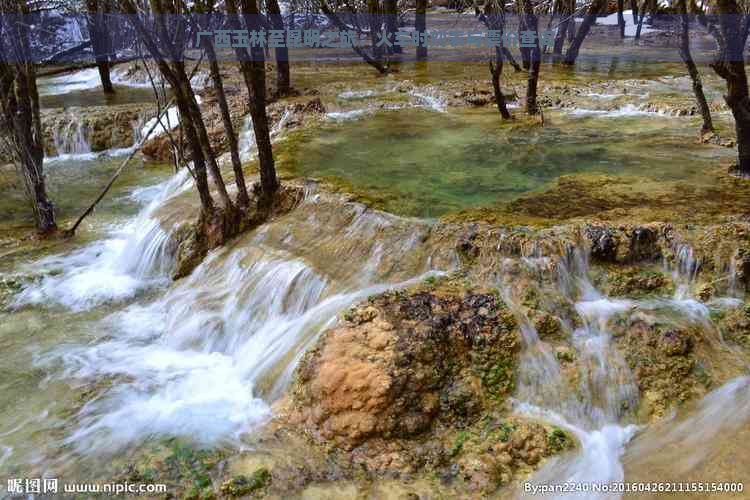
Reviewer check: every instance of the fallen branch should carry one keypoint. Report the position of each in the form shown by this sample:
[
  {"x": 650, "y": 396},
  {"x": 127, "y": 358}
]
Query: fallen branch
[{"x": 70, "y": 232}]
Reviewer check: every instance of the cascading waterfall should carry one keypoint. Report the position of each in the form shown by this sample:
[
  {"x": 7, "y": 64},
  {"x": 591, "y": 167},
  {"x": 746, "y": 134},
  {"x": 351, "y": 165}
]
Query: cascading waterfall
[
  {"x": 246, "y": 143},
  {"x": 429, "y": 98},
  {"x": 208, "y": 354},
  {"x": 597, "y": 406},
  {"x": 70, "y": 137},
  {"x": 247, "y": 140},
  {"x": 592, "y": 410},
  {"x": 135, "y": 257}
]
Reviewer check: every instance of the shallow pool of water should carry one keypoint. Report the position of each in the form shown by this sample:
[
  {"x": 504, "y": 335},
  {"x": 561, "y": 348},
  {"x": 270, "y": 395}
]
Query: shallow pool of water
[{"x": 424, "y": 163}]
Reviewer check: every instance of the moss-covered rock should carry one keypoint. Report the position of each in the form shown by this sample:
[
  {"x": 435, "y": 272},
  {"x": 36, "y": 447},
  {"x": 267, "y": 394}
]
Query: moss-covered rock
[
  {"x": 243, "y": 485},
  {"x": 188, "y": 470},
  {"x": 636, "y": 281},
  {"x": 666, "y": 362}
]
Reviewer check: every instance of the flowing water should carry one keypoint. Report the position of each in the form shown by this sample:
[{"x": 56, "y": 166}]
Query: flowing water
[
  {"x": 596, "y": 408},
  {"x": 103, "y": 352},
  {"x": 200, "y": 357}
]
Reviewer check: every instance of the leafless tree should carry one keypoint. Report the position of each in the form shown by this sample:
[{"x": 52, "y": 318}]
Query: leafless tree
[{"x": 21, "y": 119}]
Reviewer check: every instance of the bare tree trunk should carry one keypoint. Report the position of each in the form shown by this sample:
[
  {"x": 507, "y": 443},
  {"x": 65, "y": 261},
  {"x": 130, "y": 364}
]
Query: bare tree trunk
[
  {"x": 496, "y": 70},
  {"x": 283, "y": 78},
  {"x": 642, "y": 15},
  {"x": 373, "y": 11},
  {"x": 21, "y": 115},
  {"x": 588, "y": 21},
  {"x": 494, "y": 19},
  {"x": 634, "y": 9},
  {"x": 620, "y": 17},
  {"x": 374, "y": 61},
  {"x": 420, "y": 25},
  {"x": 254, "y": 73},
  {"x": 101, "y": 42},
  {"x": 687, "y": 58},
  {"x": 508, "y": 56},
  {"x": 391, "y": 22},
  {"x": 243, "y": 200},
  {"x": 199, "y": 162},
  {"x": 572, "y": 23},
  {"x": 730, "y": 65},
  {"x": 562, "y": 27},
  {"x": 186, "y": 104},
  {"x": 534, "y": 57},
  {"x": 201, "y": 133},
  {"x": 522, "y": 26}
]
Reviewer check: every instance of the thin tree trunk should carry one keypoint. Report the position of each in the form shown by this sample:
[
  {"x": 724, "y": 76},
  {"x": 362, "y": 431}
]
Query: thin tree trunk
[
  {"x": 19, "y": 97},
  {"x": 494, "y": 19},
  {"x": 562, "y": 31},
  {"x": 534, "y": 58},
  {"x": 185, "y": 100},
  {"x": 522, "y": 26},
  {"x": 642, "y": 15},
  {"x": 199, "y": 162},
  {"x": 254, "y": 74},
  {"x": 730, "y": 65},
  {"x": 634, "y": 9},
  {"x": 391, "y": 22},
  {"x": 283, "y": 78},
  {"x": 496, "y": 71},
  {"x": 194, "y": 116},
  {"x": 588, "y": 21},
  {"x": 508, "y": 56},
  {"x": 687, "y": 58},
  {"x": 741, "y": 113},
  {"x": 562, "y": 27},
  {"x": 572, "y": 23},
  {"x": 620, "y": 17},
  {"x": 360, "y": 51},
  {"x": 243, "y": 200},
  {"x": 420, "y": 25},
  {"x": 373, "y": 11},
  {"x": 100, "y": 43}
]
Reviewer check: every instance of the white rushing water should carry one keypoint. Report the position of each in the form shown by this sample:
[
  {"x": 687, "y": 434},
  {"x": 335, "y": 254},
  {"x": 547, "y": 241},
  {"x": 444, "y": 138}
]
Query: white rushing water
[
  {"x": 88, "y": 79},
  {"x": 134, "y": 258},
  {"x": 71, "y": 137},
  {"x": 203, "y": 357},
  {"x": 596, "y": 411},
  {"x": 592, "y": 412},
  {"x": 625, "y": 111},
  {"x": 428, "y": 97}
]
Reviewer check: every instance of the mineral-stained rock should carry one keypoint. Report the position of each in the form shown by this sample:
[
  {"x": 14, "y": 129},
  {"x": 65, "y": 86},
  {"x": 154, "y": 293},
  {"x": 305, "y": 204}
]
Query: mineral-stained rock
[
  {"x": 401, "y": 363},
  {"x": 417, "y": 380}
]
